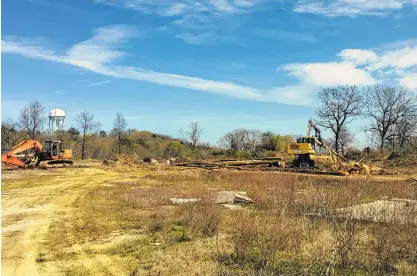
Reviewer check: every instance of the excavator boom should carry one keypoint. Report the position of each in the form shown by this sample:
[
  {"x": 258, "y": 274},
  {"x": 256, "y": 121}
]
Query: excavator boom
[
  {"x": 9, "y": 158},
  {"x": 26, "y": 145}
]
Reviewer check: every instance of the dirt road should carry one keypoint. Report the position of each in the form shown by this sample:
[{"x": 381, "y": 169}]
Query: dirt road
[{"x": 31, "y": 202}]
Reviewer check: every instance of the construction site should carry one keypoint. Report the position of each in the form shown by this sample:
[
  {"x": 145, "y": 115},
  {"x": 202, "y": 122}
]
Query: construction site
[
  {"x": 208, "y": 137},
  {"x": 305, "y": 210}
]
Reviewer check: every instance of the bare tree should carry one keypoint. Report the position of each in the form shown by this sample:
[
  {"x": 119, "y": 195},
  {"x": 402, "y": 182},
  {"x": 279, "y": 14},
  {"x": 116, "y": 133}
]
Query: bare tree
[
  {"x": 386, "y": 106},
  {"x": 32, "y": 119},
  {"x": 402, "y": 135},
  {"x": 193, "y": 135},
  {"x": 9, "y": 133},
  {"x": 87, "y": 127},
  {"x": 339, "y": 106},
  {"x": 119, "y": 127},
  {"x": 241, "y": 140},
  {"x": 229, "y": 141},
  {"x": 346, "y": 140}
]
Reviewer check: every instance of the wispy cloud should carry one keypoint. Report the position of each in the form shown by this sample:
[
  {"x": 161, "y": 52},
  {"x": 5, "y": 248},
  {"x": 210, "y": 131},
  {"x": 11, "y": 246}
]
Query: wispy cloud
[
  {"x": 205, "y": 38},
  {"x": 352, "y": 8},
  {"x": 100, "y": 83},
  {"x": 285, "y": 35},
  {"x": 59, "y": 92},
  {"x": 102, "y": 53},
  {"x": 362, "y": 66},
  {"x": 329, "y": 74},
  {"x": 185, "y": 8},
  {"x": 193, "y": 21}
]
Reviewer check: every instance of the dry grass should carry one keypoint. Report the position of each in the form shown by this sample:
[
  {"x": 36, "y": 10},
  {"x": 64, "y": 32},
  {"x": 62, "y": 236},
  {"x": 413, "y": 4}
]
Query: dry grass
[{"x": 124, "y": 216}]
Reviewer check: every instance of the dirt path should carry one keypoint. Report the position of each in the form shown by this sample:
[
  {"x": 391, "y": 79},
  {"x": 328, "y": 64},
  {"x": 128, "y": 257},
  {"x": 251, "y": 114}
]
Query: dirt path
[{"x": 27, "y": 214}]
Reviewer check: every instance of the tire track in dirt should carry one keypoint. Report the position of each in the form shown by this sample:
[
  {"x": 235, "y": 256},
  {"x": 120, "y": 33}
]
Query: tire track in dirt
[
  {"x": 27, "y": 214},
  {"x": 33, "y": 223}
]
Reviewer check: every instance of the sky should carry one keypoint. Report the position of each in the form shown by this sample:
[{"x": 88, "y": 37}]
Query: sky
[{"x": 225, "y": 64}]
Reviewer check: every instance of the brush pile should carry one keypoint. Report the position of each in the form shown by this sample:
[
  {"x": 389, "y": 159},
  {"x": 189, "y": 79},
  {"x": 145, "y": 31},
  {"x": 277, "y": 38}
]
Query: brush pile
[{"x": 123, "y": 160}]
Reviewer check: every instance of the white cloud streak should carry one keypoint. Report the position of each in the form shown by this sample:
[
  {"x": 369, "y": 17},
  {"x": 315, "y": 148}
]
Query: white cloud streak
[
  {"x": 100, "y": 83},
  {"x": 102, "y": 52},
  {"x": 193, "y": 21},
  {"x": 362, "y": 67},
  {"x": 409, "y": 81},
  {"x": 98, "y": 54},
  {"x": 351, "y": 8},
  {"x": 330, "y": 74}
]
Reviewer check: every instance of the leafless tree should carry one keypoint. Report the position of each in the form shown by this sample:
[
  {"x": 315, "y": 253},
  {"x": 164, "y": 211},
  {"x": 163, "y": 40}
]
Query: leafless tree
[
  {"x": 193, "y": 135},
  {"x": 387, "y": 106},
  {"x": 87, "y": 127},
  {"x": 32, "y": 119},
  {"x": 241, "y": 140},
  {"x": 9, "y": 133},
  {"x": 229, "y": 141},
  {"x": 120, "y": 125},
  {"x": 339, "y": 106},
  {"x": 346, "y": 139},
  {"x": 403, "y": 134}
]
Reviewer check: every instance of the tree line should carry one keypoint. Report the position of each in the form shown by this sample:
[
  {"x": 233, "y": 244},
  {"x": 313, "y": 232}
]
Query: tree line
[{"x": 390, "y": 111}]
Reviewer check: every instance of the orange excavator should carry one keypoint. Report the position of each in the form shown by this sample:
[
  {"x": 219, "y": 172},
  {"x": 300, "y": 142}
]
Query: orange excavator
[{"x": 52, "y": 152}]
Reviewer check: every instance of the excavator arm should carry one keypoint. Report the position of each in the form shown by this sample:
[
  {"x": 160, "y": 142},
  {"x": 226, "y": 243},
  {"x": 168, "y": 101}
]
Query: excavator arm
[
  {"x": 9, "y": 158},
  {"x": 317, "y": 132}
]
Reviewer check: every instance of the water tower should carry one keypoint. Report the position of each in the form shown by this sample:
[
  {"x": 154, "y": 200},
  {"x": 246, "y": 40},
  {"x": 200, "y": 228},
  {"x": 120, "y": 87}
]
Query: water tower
[{"x": 56, "y": 121}]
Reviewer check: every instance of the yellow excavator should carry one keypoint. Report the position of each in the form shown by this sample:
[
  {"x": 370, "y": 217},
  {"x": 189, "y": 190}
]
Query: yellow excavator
[{"x": 306, "y": 150}]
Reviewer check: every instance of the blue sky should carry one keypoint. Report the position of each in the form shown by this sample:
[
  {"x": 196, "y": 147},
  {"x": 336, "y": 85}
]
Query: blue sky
[{"x": 223, "y": 63}]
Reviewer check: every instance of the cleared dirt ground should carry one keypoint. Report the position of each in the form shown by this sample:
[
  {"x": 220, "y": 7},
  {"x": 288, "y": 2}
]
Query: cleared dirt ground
[
  {"x": 119, "y": 221},
  {"x": 32, "y": 201}
]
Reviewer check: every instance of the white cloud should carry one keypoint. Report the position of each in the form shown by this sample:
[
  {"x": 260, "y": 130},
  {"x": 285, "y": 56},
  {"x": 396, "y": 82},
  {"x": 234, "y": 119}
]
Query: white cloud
[
  {"x": 99, "y": 53},
  {"x": 206, "y": 38},
  {"x": 186, "y": 8},
  {"x": 351, "y": 8},
  {"x": 104, "y": 64},
  {"x": 329, "y": 74},
  {"x": 101, "y": 48},
  {"x": 358, "y": 56},
  {"x": 197, "y": 15},
  {"x": 100, "y": 83},
  {"x": 401, "y": 58},
  {"x": 409, "y": 81},
  {"x": 362, "y": 67},
  {"x": 175, "y": 9},
  {"x": 102, "y": 54},
  {"x": 223, "y": 5},
  {"x": 302, "y": 94}
]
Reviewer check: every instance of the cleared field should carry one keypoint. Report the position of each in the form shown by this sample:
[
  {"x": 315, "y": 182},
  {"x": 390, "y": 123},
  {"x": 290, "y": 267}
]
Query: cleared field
[{"x": 120, "y": 221}]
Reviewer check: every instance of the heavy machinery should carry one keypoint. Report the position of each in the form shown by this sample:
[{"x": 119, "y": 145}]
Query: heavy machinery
[
  {"x": 52, "y": 152},
  {"x": 309, "y": 148}
]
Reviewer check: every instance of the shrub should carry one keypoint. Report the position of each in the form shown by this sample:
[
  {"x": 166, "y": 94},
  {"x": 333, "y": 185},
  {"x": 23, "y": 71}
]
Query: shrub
[{"x": 200, "y": 218}]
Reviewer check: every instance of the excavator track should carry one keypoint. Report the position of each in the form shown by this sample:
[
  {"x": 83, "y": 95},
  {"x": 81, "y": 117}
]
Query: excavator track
[{"x": 54, "y": 163}]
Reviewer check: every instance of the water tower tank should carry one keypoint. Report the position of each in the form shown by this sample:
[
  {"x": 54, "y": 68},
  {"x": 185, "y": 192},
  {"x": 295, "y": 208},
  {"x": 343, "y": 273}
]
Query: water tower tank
[{"x": 56, "y": 121}]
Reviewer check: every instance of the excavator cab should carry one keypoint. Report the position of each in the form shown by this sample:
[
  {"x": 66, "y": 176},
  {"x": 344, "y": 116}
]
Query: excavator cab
[{"x": 53, "y": 150}]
